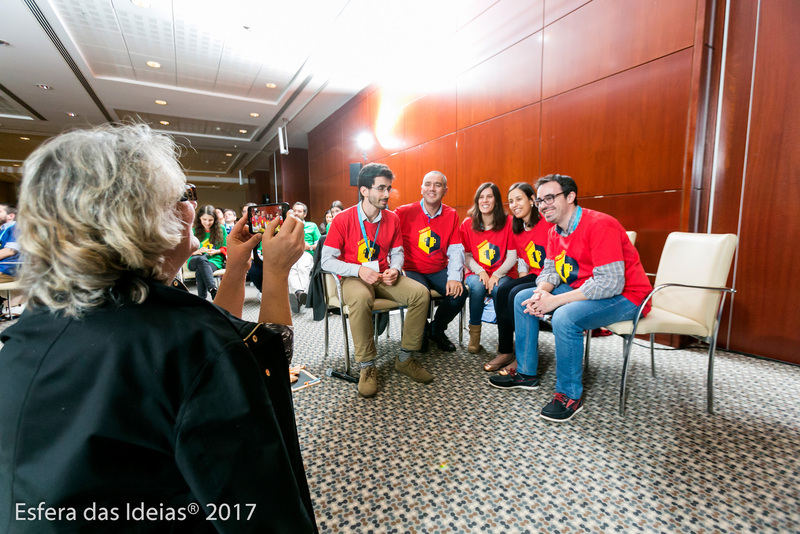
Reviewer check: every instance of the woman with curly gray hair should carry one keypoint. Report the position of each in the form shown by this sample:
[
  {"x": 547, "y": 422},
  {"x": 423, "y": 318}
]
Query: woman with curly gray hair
[{"x": 121, "y": 393}]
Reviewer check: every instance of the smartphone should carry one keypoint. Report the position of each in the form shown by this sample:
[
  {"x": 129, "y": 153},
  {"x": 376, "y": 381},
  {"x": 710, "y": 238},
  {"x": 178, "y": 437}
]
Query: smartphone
[{"x": 259, "y": 216}]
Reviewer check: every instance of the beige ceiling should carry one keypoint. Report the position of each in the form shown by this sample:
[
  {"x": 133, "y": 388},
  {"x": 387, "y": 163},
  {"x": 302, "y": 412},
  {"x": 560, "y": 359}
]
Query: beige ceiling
[{"x": 216, "y": 61}]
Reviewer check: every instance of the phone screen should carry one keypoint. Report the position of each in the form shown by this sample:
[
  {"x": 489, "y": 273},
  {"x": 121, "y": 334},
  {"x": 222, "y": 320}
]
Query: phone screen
[{"x": 259, "y": 216}]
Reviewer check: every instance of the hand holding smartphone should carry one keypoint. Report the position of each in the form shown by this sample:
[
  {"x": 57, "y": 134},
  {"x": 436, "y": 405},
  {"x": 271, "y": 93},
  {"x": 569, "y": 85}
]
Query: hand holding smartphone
[{"x": 259, "y": 216}]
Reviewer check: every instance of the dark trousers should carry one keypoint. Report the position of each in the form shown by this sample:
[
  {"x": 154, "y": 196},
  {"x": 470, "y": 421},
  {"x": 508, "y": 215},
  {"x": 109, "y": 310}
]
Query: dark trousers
[
  {"x": 449, "y": 306},
  {"x": 205, "y": 274},
  {"x": 504, "y": 308}
]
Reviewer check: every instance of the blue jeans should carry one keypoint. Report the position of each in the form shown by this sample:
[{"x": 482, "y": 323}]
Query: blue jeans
[
  {"x": 477, "y": 292},
  {"x": 448, "y": 306},
  {"x": 569, "y": 322}
]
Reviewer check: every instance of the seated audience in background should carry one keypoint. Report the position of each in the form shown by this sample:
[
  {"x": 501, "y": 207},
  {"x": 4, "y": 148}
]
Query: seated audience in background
[
  {"x": 120, "y": 389},
  {"x": 529, "y": 233},
  {"x": 230, "y": 220},
  {"x": 300, "y": 274},
  {"x": 365, "y": 248},
  {"x": 323, "y": 226},
  {"x": 336, "y": 208},
  {"x": 220, "y": 216},
  {"x": 489, "y": 253},
  {"x": 211, "y": 254},
  {"x": 434, "y": 255},
  {"x": 592, "y": 277},
  {"x": 9, "y": 256}
]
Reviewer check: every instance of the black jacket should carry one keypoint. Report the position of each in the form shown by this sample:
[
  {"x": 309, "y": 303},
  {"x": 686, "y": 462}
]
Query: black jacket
[{"x": 127, "y": 417}]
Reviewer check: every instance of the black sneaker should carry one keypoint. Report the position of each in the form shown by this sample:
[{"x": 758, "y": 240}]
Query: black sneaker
[
  {"x": 441, "y": 341},
  {"x": 294, "y": 303},
  {"x": 302, "y": 297},
  {"x": 514, "y": 380},
  {"x": 561, "y": 408}
]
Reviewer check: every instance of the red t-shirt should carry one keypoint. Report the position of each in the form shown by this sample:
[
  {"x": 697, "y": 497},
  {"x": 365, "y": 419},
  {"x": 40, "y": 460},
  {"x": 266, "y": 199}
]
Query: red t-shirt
[
  {"x": 531, "y": 245},
  {"x": 488, "y": 248},
  {"x": 345, "y": 235},
  {"x": 425, "y": 240},
  {"x": 598, "y": 240}
]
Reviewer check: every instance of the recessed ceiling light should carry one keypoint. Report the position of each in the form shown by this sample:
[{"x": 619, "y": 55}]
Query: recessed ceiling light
[
  {"x": 25, "y": 138},
  {"x": 218, "y": 128},
  {"x": 71, "y": 114},
  {"x": 271, "y": 85},
  {"x": 229, "y": 155},
  {"x": 242, "y": 131},
  {"x": 254, "y": 114},
  {"x": 224, "y": 163},
  {"x": 141, "y": 3},
  {"x": 16, "y": 165},
  {"x": 45, "y": 87},
  {"x": 154, "y": 64},
  {"x": 165, "y": 123},
  {"x": 161, "y": 102}
]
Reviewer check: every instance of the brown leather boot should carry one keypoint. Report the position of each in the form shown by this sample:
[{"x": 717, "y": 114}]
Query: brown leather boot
[{"x": 474, "y": 346}]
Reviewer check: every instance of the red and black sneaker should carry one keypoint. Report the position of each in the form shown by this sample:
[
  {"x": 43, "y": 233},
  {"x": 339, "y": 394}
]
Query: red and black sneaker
[{"x": 561, "y": 408}]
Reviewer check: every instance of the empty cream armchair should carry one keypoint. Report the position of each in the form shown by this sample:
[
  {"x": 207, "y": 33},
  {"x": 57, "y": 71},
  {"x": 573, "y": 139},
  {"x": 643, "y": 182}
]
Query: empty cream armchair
[{"x": 687, "y": 299}]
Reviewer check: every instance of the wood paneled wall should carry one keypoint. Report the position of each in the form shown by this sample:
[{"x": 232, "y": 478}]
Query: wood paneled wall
[{"x": 603, "y": 90}]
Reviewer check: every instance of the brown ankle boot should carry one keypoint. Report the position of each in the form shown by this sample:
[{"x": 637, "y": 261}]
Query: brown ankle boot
[{"x": 474, "y": 346}]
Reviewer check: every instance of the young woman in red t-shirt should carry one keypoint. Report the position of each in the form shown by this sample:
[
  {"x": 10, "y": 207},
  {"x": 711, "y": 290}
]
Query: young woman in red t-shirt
[
  {"x": 489, "y": 254},
  {"x": 529, "y": 233}
]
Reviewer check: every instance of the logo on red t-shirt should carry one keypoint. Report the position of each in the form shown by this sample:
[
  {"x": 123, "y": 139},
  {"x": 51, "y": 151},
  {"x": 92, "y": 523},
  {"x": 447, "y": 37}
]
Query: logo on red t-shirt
[
  {"x": 365, "y": 255},
  {"x": 566, "y": 267},
  {"x": 429, "y": 241},
  {"x": 535, "y": 255},
  {"x": 488, "y": 254}
]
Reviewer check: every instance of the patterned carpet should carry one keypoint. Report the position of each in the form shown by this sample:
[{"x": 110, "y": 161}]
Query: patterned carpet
[{"x": 459, "y": 456}]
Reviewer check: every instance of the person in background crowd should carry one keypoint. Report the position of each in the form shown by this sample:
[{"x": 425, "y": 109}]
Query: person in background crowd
[
  {"x": 365, "y": 248},
  {"x": 529, "y": 233},
  {"x": 336, "y": 208},
  {"x": 211, "y": 254},
  {"x": 490, "y": 254},
  {"x": 434, "y": 255},
  {"x": 9, "y": 257},
  {"x": 323, "y": 226},
  {"x": 300, "y": 274},
  {"x": 120, "y": 389},
  {"x": 591, "y": 277},
  {"x": 230, "y": 220}
]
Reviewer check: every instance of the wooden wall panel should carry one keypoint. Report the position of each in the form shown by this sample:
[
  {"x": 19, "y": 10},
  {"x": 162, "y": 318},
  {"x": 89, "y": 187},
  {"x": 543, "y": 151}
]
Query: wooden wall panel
[
  {"x": 387, "y": 123},
  {"x": 437, "y": 155},
  {"x": 354, "y": 123},
  {"x": 497, "y": 28},
  {"x": 652, "y": 216},
  {"x": 505, "y": 82},
  {"x": 431, "y": 116},
  {"x": 555, "y": 9},
  {"x": 470, "y": 9},
  {"x": 503, "y": 150},
  {"x": 608, "y": 36},
  {"x": 623, "y": 134},
  {"x": 294, "y": 179},
  {"x": 764, "y": 311}
]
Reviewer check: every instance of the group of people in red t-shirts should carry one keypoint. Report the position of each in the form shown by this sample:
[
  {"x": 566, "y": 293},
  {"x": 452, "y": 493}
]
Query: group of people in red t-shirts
[{"x": 548, "y": 262}]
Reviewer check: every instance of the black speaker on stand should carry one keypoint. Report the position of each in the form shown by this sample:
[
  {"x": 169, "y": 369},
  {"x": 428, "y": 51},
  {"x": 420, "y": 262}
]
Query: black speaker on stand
[{"x": 355, "y": 168}]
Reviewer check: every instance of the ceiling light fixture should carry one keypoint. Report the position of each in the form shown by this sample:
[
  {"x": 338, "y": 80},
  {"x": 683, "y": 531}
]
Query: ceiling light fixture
[
  {"x": 229, "y": 155},
  {"x": 45, "y": 87},
  {"x": 255, "y": 114},
  {"x": 71, "y": 114},
  {"x": 161, "y": 102},
  {"x": 165, "y": 123},
  {"x": 25, "y": 138},
  {"x": 218, "y": 128},
  {"x": 154, "y": 64},
  {"x": 242, "y": 131},
  {"x": 271, "y": 85}
]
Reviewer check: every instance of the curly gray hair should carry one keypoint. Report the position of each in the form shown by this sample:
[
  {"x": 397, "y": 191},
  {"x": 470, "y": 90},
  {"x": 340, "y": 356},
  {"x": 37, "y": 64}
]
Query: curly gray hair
[{"x": 97, "y": 213}]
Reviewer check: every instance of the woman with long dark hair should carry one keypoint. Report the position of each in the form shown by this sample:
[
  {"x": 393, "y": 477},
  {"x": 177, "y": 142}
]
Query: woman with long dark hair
[
  {"x": 489, "y": 254},
  {"x": 211, "y": 254},
  {"x": 529, "y": 234}
]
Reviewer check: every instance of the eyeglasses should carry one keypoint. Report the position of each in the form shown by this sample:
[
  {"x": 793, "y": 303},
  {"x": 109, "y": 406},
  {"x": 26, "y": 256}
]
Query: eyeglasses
[
  {"x": 547, "y": 200},
  {"x": 190, "y": 193},
  {"x": 383, "y": 189}
]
